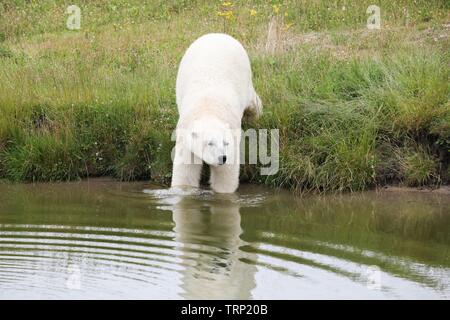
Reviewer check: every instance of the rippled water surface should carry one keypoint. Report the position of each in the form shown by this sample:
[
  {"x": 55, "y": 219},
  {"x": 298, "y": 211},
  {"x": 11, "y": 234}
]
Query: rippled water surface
[{"x": 103, "y": 239}]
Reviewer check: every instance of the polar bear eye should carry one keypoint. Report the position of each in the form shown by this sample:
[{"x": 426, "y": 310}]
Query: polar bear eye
[
  {"x": 210, "y": 143},
  {"x": 225, "y": 143}
]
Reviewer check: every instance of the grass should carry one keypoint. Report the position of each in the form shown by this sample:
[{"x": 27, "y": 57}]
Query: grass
[{"x": 355, "y": 108}]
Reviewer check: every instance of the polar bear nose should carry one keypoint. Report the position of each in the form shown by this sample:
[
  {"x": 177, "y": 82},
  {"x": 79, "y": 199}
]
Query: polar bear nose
[{"x": 222, "y": 159}]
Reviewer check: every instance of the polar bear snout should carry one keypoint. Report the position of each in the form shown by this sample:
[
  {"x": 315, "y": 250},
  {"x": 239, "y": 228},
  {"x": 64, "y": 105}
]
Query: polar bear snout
[
  {"x": 216, "y": 151},
  {"x": 211, "y": 141},
  {"x": 222, "y": 160}
]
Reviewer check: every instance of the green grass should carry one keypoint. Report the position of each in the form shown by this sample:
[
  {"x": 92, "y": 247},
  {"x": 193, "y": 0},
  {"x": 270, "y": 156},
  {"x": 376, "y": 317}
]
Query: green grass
[{"x": 355, "y": 108}]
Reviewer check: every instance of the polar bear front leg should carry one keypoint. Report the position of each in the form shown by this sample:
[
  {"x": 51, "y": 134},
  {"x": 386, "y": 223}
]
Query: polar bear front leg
[
  {"x": 255, "y": 107},
  {"x": 224, "y": 179},
  {"x": 185, "y": 173}
]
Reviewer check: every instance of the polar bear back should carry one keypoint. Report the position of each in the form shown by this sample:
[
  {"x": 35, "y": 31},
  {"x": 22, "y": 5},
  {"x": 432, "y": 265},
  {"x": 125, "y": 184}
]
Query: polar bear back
[{"x": 215, "y": 65}]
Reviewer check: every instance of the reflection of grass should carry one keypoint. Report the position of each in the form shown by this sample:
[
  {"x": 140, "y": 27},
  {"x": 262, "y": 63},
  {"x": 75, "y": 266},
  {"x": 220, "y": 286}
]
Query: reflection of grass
[
  {"x": 337, "y": 258},
  {"x": 366, "y": 229},
  {"x": 100, "y": 101}
]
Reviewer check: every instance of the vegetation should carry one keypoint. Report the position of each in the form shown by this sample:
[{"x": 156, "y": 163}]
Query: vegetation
[{"x": 355, "y": 107}]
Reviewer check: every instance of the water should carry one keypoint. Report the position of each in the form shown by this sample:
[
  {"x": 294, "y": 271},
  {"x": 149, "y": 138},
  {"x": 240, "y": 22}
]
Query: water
[{"x": 103, "y": 239}]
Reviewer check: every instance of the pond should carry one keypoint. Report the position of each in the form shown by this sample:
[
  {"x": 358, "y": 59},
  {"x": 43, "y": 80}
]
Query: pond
[{"x": 104, "y": 239}]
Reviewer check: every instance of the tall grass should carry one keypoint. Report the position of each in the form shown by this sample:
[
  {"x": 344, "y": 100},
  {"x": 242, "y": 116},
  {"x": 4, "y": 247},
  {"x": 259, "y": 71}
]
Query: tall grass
[{"x": 355, "y": 108}]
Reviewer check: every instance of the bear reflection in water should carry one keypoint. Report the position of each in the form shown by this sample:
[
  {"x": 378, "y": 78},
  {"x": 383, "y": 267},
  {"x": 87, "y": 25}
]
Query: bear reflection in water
[{"x": 208, "y": 233}]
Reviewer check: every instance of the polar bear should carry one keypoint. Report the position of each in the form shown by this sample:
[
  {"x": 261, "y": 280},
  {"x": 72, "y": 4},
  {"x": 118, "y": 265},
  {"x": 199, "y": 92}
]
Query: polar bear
[{"x": 214, "y": 88}]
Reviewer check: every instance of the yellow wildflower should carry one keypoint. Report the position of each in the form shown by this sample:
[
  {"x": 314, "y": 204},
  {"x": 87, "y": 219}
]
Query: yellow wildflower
[
  {"x": 253, "y": 12},
  {"x": 226, "y": 14},
  {"x": 227, "y": 4},
  {"x": 276, "y": 8}
]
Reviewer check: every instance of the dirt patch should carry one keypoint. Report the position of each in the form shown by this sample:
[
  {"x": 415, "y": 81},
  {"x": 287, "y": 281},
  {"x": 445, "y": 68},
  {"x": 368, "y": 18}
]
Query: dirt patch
[{"x": 440, "y": 190}]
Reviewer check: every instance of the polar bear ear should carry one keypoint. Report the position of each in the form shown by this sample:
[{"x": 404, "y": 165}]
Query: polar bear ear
[{"x": 194, "y": 134}]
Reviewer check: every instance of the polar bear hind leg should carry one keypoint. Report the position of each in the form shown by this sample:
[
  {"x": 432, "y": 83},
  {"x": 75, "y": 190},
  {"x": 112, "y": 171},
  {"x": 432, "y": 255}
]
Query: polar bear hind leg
[{"x": 255, "y": 107}]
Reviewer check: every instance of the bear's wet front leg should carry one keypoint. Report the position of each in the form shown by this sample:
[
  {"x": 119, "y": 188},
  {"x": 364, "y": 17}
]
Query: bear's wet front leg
[
  {"x": 186, "y": 173},
  {"x": 224, "y": 179}
]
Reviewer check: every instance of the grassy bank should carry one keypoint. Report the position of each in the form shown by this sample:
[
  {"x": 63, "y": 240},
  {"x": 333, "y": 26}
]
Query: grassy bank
[{"x": 355, "y": 107}]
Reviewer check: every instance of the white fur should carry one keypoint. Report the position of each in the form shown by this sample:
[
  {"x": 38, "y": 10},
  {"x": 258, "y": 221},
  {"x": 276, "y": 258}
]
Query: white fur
[{"x": 214, "y": 88}]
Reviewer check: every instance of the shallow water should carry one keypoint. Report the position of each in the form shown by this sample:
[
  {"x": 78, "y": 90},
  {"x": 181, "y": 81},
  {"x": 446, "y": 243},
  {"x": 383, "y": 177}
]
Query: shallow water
[{"x": 103, "y": 239}]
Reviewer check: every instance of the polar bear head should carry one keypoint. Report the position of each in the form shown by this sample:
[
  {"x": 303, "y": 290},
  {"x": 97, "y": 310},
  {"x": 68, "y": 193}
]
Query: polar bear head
[{"x": 211, "y": 140}]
